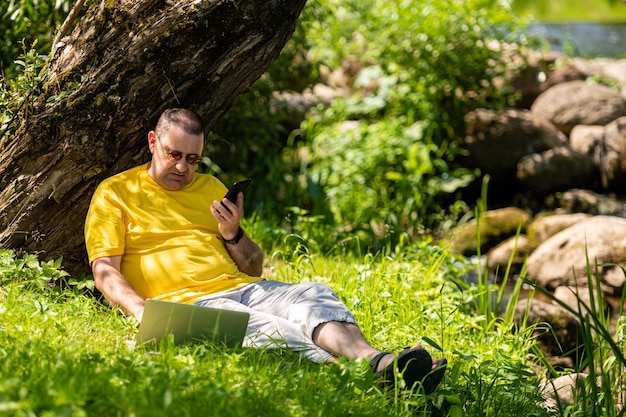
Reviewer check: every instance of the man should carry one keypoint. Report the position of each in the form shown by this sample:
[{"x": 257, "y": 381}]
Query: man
[{"x": 149, "y": 234}]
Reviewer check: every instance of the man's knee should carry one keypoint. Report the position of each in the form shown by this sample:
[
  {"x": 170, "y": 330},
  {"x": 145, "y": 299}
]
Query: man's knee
[{"x": 317, "y": 290}]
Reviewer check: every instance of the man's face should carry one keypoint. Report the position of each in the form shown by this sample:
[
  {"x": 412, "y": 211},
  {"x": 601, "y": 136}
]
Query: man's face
[{"x": 168, "y": 172}]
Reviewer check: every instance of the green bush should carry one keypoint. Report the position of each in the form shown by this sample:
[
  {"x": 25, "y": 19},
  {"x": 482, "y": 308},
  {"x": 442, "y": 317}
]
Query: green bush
[
  {"x": 253, "y": 140},
  {"x": 28, "y": 22},
  {"x": 385, "y": 157},
  {"x": 383, "y": 160},
  {"x": 28, "y": 28},
  {"x": 22, "y": 88}
]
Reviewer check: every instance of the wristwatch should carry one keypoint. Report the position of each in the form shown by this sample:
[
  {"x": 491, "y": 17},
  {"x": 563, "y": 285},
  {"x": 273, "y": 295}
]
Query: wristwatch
[{"x": 236, "y": 239}]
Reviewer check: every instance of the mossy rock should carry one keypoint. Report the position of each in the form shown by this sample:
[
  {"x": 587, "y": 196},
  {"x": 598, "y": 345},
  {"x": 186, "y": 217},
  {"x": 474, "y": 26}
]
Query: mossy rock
[{"x": 494, "y": 226}]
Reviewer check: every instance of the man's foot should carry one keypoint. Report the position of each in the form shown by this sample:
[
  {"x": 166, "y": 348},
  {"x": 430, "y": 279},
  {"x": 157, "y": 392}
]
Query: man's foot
[{"x": 414, "y": 364}]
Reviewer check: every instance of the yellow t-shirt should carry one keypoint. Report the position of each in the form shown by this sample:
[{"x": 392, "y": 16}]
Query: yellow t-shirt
[{"x": 169, "y": 240}]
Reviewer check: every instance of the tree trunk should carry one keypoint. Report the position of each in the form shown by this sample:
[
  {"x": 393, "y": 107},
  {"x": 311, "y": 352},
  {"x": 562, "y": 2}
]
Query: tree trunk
[{"x": 124, "y": 63}]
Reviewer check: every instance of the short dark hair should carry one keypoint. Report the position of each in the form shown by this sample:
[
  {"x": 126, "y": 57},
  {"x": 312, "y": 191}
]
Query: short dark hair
[{"x": 187, "y": 119}]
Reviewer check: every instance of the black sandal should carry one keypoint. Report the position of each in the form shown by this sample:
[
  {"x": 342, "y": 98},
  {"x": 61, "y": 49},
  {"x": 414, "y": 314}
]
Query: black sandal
[{"x": 415, "y": 365}]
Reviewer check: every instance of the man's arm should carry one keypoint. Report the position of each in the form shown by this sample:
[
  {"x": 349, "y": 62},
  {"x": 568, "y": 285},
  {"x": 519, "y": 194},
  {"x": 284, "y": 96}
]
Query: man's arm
[
  {"x": 115, "y": 287},
  {"x": 247, "y": 255}
]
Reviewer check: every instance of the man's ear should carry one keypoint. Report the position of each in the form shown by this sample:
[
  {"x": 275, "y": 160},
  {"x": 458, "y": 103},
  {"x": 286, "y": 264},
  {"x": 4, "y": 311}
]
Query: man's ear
[{"x": 152, "y": 139}]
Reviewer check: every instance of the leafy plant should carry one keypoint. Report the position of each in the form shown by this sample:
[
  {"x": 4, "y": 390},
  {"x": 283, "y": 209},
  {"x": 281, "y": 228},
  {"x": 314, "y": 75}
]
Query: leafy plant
[
  {"x": 391, "y": 146},
  {"x": 30, "y": 22},
  {"x": 379, "y": 177},
  {"x": 28, "y": 271},
  {"x": 22, "y": 91}
]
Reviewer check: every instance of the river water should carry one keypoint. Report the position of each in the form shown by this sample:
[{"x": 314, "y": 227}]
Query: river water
[{"x": 583, "y": 39}]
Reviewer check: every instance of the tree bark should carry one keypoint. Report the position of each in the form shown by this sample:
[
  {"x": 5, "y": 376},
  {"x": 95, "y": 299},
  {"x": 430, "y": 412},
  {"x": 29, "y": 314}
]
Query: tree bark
[{"x": 108, "y": 82}]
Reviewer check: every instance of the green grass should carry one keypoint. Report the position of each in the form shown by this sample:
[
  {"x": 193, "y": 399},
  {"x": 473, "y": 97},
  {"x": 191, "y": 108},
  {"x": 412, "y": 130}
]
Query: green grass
[
  {"x": 573, "y": 10},
  {"x": 64, "y": 353}
]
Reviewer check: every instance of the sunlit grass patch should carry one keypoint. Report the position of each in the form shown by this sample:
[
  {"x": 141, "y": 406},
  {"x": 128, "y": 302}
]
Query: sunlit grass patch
[{"x": 63, "y": 352}]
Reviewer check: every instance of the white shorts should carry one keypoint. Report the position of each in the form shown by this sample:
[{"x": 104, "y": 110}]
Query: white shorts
[{"x": 284, "y": 315}]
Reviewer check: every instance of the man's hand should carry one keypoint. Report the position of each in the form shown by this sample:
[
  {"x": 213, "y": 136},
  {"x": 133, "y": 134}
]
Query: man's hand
[
  {"x": 228, "y": 216},
  {"x": 138, "y": 315},
  {"x": 246, "y": 254}
]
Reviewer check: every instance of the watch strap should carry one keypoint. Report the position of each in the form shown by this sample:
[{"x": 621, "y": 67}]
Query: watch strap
[{"x": 236, "y": 239}]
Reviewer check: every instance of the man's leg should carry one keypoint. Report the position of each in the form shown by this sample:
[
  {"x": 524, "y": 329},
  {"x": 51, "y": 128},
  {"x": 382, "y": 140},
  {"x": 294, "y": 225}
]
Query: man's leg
[
  {"x": 343, "y": 339},
  {"x": 346, "y": 339},
  {"x": 322, "y": 316},
  {"x": 316, "y": 311}
]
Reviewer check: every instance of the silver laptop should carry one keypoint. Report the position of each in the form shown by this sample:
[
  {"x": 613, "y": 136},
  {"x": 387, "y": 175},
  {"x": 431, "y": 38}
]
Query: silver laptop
[{"x": 191, "y": 323}]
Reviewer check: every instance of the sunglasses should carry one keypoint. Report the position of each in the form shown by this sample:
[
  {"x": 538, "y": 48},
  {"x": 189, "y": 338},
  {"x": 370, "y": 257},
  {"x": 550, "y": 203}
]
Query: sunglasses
[{"x": 192, "y": 158}]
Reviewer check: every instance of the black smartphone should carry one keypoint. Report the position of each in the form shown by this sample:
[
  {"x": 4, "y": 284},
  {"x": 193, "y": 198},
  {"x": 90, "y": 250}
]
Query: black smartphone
[{"x": 239, "y": 186}]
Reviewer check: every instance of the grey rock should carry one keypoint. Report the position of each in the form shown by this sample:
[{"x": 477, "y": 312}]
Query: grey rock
[
  {"x": 557, "y": 169},
  {"x": 578, "y": 102},
  {"x": 598, "y": 242}
]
